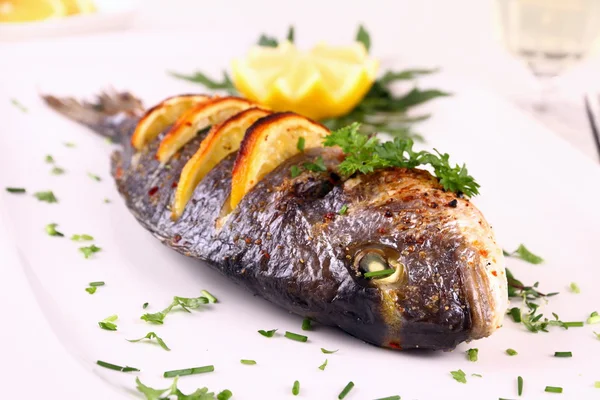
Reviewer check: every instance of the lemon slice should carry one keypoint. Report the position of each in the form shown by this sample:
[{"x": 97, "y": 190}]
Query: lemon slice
[
  {"x": 267, "y": 143},
  {"x": 197, "y": 118},
  {"x": 161, "y": 116},
  {"x": 222, "y": 140},
  {"x": 30, "y": 10},
  {"x": 79, "y": 6},
  {"x": 325, "y": 82}
]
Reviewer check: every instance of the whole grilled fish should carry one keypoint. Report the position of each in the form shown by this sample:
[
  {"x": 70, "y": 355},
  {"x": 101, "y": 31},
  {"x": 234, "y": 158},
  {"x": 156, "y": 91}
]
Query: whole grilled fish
[{"x": 287, "y": 242}]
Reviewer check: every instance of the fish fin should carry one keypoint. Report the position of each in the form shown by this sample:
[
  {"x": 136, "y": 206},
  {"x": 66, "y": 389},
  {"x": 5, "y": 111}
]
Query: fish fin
[{"x": 111, "y": 114}]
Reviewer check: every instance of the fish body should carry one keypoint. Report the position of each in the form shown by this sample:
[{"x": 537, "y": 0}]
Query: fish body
[{"x": 306, "y": 242}]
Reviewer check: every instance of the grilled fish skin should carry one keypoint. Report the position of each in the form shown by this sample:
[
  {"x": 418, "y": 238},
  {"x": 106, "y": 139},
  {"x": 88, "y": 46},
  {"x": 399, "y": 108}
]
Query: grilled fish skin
[{"x": 287, "y": 242}]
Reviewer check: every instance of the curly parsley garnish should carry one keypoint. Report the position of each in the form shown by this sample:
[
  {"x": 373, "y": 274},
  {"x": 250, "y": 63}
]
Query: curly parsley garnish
[{"x": 365, "y": 154}]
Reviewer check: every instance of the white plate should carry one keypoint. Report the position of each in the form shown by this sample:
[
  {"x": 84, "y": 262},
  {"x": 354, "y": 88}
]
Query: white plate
[
  {"x": 535, "y": 189},
  {"x": 111, "y": 15}
]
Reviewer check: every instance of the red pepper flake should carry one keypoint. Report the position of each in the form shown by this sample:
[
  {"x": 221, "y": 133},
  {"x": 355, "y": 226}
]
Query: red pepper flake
[
  {"x": 329, "y": 216},
  {"x": 248, "y": 240},
  {"x": 395, "y": 345},
  {"x": 153, "y": 191},
  {"x": 381, "y": 231},
  {"x": 494, "y": 273},
  {"x": 176, "y": 238},
  {"x": 119, "y": 173},
  {"x": 266, "y": 254},
  {"x": 174, "y": 184}
]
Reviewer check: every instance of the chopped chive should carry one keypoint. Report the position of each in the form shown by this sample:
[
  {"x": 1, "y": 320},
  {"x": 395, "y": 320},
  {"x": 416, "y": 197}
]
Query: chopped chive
[
  {"x": 594, "y": 318},
  {"x": 94, "y": 177},
  {"x": 389, "y": 398},
  {"x": 81, "y": 238},
  {"x": 295, "y": 336},
  {"x": 145, "y": 305},
  {"x": 553, "y": 389},
  {"x": 574, "y": 288},
  {"x": 224, "y": 395},
  {"x": 300, "y": 144},
  {"x": 100, "y": 283},
  {"x": 477, "y": 375},
  {"x": 511, "y": 352},
  {"x": 109, "y": 323},
  {"x": 17, "y": 104},
  {"x": 115, "y": 367},
  {"x": 343, "y": 210},
  {"x": 15, "y": 190},
  {"x": 322, "y": 366},
  {"x": 294, "y": 171},
  {"x": 306, "y": 324},
  {"x": 325, "y": 351},
  {"x": 91, "y": 290},
  {"x": 346, "y": 390},
  {"x": 189, "y": 371},
  {"x": 51, "y": 230},
  {"x": 519, "y": 385},
  {"x": 210, "y": 297},
  {"x": 515, "y": 313},
  {"x": 472, "y": 354},
  {"x": 49, "y": 159},
  {"x": 267, "y": 333},
  {"x": 577, "y": 324},
  {"x": 563, "y": 354},
  {"x": 296, "y": 388},
  {"x": 379, "y": 274},
  {"x": 248, "y": 362}
]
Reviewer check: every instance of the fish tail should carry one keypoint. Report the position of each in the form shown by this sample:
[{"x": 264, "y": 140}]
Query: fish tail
[{"x": 112, "y": 114}]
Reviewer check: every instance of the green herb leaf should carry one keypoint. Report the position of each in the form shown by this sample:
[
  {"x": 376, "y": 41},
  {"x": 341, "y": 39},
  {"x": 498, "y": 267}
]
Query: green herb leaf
[
  {"x": 391, "y": 76},
  {"x": 51, "y": 230},
  {"x": 150, "y": 336},
  {"x": 15, "y": 190},
  {"x": 225, "y": 395},
  {"x": 94, "y": 177},
  {"x": 459, "y": 376},
  {"x": 210, "y": 297},
  {"x": 317, "y": 166},
  {"x": 145, "y": 305},
  {"x": 18, "y": 105},
  {"x": 524, "y": 254},
  {"x": 156, "y": 318},
  {"x": 295, "y": 171},
  {"x": 57, "y": 171},
  {"x": 296, "y": 388},
  {"x": 472, "y": 354},
  {"x": 346, "y": 390},
  {"x": 594, "y": 318},
  {"x": 49, "y": 159},
  {"x": 516, "y": 288},
  {"x": 301, "y": 143},
  {"x": 322, "y": 366},
  {"x": 47, "y": 196},
  {"x": 379, "y": 274},
  {"x": 519, "y": 385},
  {"x": 325, "y": 351},
  {"x": 268, "y": 334},
  {"x": 184, "y": 302},
  {"x": 553, "y": 389},
  {"x": 106, "y": 201},
  {"x": 477, "y": 375},
  {"x": 189, "y": 371},
  {"x": 390, "y": 398},
  {"x": 91, "y": 290},
  {"x": 290, "y": 34},
  {"x": 563, "y": 354},
  {"x": 306, "y": 324},
  {"x": 69, "y": 144},
  {"x": 202, "y": 79},
  {"x": 343, "y": 210},
  {"x": 295, "y": 336},
  {"x": 81, "y": 238},
  {"x": 150, "y": 393},
  {"x": 363, "y": 36},
  {"x": 115, "y": 367},
  {"x": 511, "y": 352},
  {"x": 109, "y": 323},
  {"x": 267, "y": 41},
  {"x": 248, "y": 362},
  {"x": 88, "y": 251},
  {"x": 575, "y": 288},
  {"x": 515, "y": 313}
]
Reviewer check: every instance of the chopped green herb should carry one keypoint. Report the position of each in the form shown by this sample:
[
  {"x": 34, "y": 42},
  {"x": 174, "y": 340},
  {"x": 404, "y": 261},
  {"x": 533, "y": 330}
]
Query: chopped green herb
[
  {"x": 145, "y": 305},
  {"x": 563, "y": 354},
  {"x": 267, "y": 333},
  {"x": 295, "y": 171},
  {"x": 296, "y": 388},
  {"x": 594, "y": 318},
  {"x": 91, "y": 290},
  {"x": 379, "y": 274},
  {"x": 109, "y": 323},
  {"x": 519, "y": 385},
  {"x": 515, "y": 313},
  {"x": 306, "y": 324},
  {"x": 390, "y": 398},
  {"x": 290, "y": 34},
  {"x": 162, "y": 394},
  {"x": 296, "y": 337},
  {"x": 224, "y": 395},
  {"x": 88, "y": 251},
  {"x": 150, "y": 336},
  {"x": 459, "y": 376},
  {"x": 301, "y": 143},
  {"x": 81, "y": 238},
  {"x": 115, "y": 367},
  {"x": 363, "y": 37},
  {"x": 210, "y": 297},
  {"x": 248, "y": 362},
  {"x": 51, "y": 230},
  {"x": 15, "y": 190},
  {"x": 151, "y": 393},
  {"x": 17, "y": 104},
  {"x": 343, "y": 210},
  {"x": 472, "y": 354},
  {"x": 322, "y": 366},
  {"x": 391, "y": 76},
  {"x": 511, "y": 352},
  {"x": 346, "y": 390},
  {"x": 156, "y": 318},
  {"x": 184, "y": 302},
  {"x": 57, "y": 171},
  {"x": 48, "y": 197},
  {"x": 69, "y": 144},
  {"x": 575, "y": 324},
  {"x": 317, "y": 166},
  {"x": 189, "y": 371},
  {"x": 94, "y": 177},
  {"x": 553, "y": 389},
  {"x": 325, "y": 351},
  {"x": 212, "y": 84},
  {"x": 99, "y": 283},
  {"x": 477, "y": 375},
  {"x": 574, "y": 288},
  {"x": 524, "y": 254},
  {"x": 49, "y": 159},
  {"x": 267, "y": 41},
  {"x": 106, "y": 201}
]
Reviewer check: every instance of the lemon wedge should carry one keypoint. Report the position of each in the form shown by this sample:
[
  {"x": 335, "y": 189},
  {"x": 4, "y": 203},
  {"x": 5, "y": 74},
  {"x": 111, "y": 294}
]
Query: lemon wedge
[
  {"x": 197, "y": 118},
  {"x": 30, "y": 10},
  {"x": 222, "y": 140},
  {"x": 325, "y": 82},
  {"x": 267, "y": 143},
  {"x": 161, "y": 116},
  {"x": 79, "y": 6}
]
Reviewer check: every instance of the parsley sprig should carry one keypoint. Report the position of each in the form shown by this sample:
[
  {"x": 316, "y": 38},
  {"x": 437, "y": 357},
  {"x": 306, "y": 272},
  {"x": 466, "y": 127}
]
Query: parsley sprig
[
  {"x": 365, "y": 153},
  {"x": 185, "y": 303}
]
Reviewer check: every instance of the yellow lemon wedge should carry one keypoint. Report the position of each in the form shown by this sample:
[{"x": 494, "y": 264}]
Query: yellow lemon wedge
[
  {"x": 79, "y": 6},
  {"x": 30, "y": 10},
  {"x": 267, "y": 143},
  {"x": 222, "y": 140},
  {"x": 325, "y": 82},
  {"x": 161, "y": 116},
  {"x": 197, "y": 118}
]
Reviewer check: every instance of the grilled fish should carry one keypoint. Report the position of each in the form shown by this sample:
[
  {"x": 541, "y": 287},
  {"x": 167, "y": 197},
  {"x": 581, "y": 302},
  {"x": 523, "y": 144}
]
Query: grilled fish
[{"x": 287, "y": 241}]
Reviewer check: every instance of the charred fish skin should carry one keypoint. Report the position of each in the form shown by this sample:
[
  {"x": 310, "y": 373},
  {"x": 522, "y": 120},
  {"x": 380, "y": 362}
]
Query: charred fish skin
[{"x": 287, "y": 243}]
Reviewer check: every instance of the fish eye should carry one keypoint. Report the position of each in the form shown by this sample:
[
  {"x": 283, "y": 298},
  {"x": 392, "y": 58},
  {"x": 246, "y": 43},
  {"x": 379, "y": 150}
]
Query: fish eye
[
  {"x": 380, "y": 264},
  {"x": 372, "y": 261}
]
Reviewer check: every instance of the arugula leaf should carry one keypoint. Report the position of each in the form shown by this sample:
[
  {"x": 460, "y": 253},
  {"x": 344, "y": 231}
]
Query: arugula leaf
[
  {"x": 459, "y": 376},
  {"x": 363, "y": 36},
  {"x": 88, "y": 251},
  {"x": 150, "y": 336},
  {"x": 108, "y": 323},
  {"x": 524, "y": 254},
  {"x": 15, "y": 190},
  {"x": 51, "y": 230},
  {"x": 47, "y": 196},
  {"x": 198, "y": 77},
  {"x": 290, "y": 34},
  {"x": 18, "y": 105}
]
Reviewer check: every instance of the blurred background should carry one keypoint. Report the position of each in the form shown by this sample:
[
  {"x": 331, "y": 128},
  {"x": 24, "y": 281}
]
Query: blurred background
[{"x": 541, "y": 55}]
